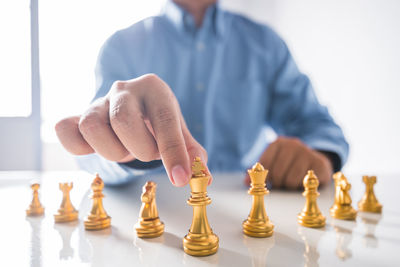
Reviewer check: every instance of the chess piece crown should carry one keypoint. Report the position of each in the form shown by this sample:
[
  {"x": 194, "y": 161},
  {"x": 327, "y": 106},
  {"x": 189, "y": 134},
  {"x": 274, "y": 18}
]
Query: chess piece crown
[
  {"x": 35, "y": 208},
  {"x": 311, "y": 216},
  {"x": 200, "y": 241},
  {"x": 97, "y": 218},
  {"x": 149, "y": 224},
  {"x": 66, "y": 212},
  {"x": 257, "y": 223},
  {"x": 369, "y": 202},
  {"x": 342, "y": 208}
]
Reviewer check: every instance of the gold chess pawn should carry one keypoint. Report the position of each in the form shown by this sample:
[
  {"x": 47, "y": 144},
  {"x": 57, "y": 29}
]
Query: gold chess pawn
[
  {"x": 258, "y": 223},
  {"x": 311, "y": 216},
  {"x": 369, "y": 203},
  {"x": 149, "y": 224},
  {"x": 66, "y": 212},
  {"x": 200, "y": 241},
  {"x": 35, "y": 208},
  {"x": 342, "y": 208},
  {"x": 97, "y": 218}
]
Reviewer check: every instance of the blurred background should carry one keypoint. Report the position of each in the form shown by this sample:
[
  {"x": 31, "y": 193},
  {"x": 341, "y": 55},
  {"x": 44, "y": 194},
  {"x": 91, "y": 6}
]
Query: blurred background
[{"x": 48, "y": 50}]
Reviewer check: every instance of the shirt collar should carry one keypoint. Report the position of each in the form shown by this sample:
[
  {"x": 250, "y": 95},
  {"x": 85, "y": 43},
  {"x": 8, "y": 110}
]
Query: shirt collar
[{"x": 184, "y": 21}]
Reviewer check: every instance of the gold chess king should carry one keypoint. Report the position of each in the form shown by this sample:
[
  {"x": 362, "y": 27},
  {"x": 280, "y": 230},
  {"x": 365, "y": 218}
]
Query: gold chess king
[{"x": 200, "y": 241}]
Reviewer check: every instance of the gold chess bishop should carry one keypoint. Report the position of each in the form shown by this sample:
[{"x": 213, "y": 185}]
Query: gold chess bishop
[
  {"x": 311, "y": 216},
  {"x": 66, "y": 212},
  {"x": 369, "y": 202},
  {"x": 97, "y": 218},
  {"x": 35, "y": 208},
  {"x": 257, "y": 223},
  {"x": 342, "y": 208},
  {"x": 149, "y": 224},
  {"x": 200, "y": 241}
]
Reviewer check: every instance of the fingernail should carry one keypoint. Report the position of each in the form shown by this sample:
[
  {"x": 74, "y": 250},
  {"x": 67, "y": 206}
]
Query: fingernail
[{"x": 179, "y": 175}]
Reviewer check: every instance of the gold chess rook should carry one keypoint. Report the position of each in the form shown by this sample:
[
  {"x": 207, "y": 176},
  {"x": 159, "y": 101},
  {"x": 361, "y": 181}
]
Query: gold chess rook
[
  {"x": 97, "y": 218},
  {"x": 257, "y": 223},
  {"x": 200, "y": 241},
  {"x": 66, "y": 212},
  {"x": 342, "y": 208},
  {"x": 35, "y": 208},
  {"x": 149, "y": 224},
  {"x": 369, "y": 202},
  {"x": 311, "y": 216}
]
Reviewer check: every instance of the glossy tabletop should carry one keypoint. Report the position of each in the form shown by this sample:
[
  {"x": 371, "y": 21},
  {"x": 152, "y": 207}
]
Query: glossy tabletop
[{"x": 371, "y": 240}]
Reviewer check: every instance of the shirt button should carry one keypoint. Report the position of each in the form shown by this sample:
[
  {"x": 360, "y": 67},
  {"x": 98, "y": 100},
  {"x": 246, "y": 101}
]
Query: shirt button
[
  {"x": 200, "y": 87},
  {"x": 200, "y": 46}
]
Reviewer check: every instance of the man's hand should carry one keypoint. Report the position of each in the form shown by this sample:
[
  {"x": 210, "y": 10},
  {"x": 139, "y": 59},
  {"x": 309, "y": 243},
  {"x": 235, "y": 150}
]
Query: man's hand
[
  {"x": 137, "y": 119},
  {"x": 289, "y": 159}
]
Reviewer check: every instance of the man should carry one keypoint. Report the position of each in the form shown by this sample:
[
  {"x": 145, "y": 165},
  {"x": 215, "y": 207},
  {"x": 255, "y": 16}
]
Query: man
[{"x": 227, "y": 77}]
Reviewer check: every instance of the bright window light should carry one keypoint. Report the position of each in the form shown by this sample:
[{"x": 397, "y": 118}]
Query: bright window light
[
  {"x": 71, "y": 34},
  {"x": 15, "y": 59}
]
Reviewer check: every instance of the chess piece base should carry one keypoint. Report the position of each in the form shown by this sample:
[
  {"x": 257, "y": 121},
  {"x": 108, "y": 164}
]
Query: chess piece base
[
  {"x": 258, "y": 228},
  {"x": 311, "y": 220},
  {"x": 370, "y": 207},
  {"x": 66, "y": 217},
  {"x": 97, "y": 224},
  {"x": 200, "y": 244},
  {"x": 345, "y": 212},
  {"x": 35, "y": 211},
  {"x": 149, "y": 228}
]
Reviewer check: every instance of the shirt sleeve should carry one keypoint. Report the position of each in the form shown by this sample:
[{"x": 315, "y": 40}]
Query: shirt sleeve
[
  {"x": 295, "y": 110},
  {"x": 111, "y": 66}
]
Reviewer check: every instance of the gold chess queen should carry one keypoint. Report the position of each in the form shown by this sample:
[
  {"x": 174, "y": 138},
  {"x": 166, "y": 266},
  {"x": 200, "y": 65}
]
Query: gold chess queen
[{"x": 258, "y": 223}]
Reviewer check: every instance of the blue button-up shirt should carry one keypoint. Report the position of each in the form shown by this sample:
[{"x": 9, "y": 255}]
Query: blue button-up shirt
[{"x": 235, "y": 80}]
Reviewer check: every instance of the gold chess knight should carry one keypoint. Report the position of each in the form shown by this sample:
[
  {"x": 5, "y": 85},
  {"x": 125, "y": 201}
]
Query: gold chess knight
[
  {"x": 342, "y": 208},
  {"x": 149, "y": 224},
  {"x": 369, "y": 203},
  {"x": 311, "y": 216},
  {"x": 200, "y": 241},
  {"x": 97, "y": 218},
  {"x": 35, "y": 208},
  {"x": 66, "y": 212},
  {"x": 258, "y": 223}
]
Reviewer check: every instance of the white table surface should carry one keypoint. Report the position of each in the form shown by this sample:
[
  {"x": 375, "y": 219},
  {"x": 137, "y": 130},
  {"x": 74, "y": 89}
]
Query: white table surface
[{"x": 372, "y": 240}]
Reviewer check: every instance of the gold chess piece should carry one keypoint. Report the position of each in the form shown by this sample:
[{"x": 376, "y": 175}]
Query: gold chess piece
[
  {"x": 97, "y": 218},
  {"x": 66, "y": 212},
  {"x": 258, "y": 223},
  {"x": 311, "y": 216},
  {"x": 369, "y": 203},
  {"x": 200, "y": 241},
  {"x": 342, "y": 208},
  {"x": 149, "y": 224},
  {"x": 35, "y": 208}
]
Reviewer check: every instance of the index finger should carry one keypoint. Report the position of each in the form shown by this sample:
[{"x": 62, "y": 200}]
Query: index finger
[{"x": 162, "y": 109}]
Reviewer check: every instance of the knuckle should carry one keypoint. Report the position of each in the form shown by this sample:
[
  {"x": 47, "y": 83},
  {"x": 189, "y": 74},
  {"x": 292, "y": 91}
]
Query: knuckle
[
  {"x": 89, "y": 123},
  {"x": 165, "y": 116},
  {"x": 118, "y": 115},
  {"x": 151, "y": 78},
  {"x": 121, "y": 116},
  {"x": 296, "y": 141},
  {"x": 119, "y": 85},
  {"x": 61, "y": 125},
  {"x": 172, "y": 148}
]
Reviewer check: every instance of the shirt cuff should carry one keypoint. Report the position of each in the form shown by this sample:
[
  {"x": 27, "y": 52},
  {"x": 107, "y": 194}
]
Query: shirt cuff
[{"x": 141, "y": 165}]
